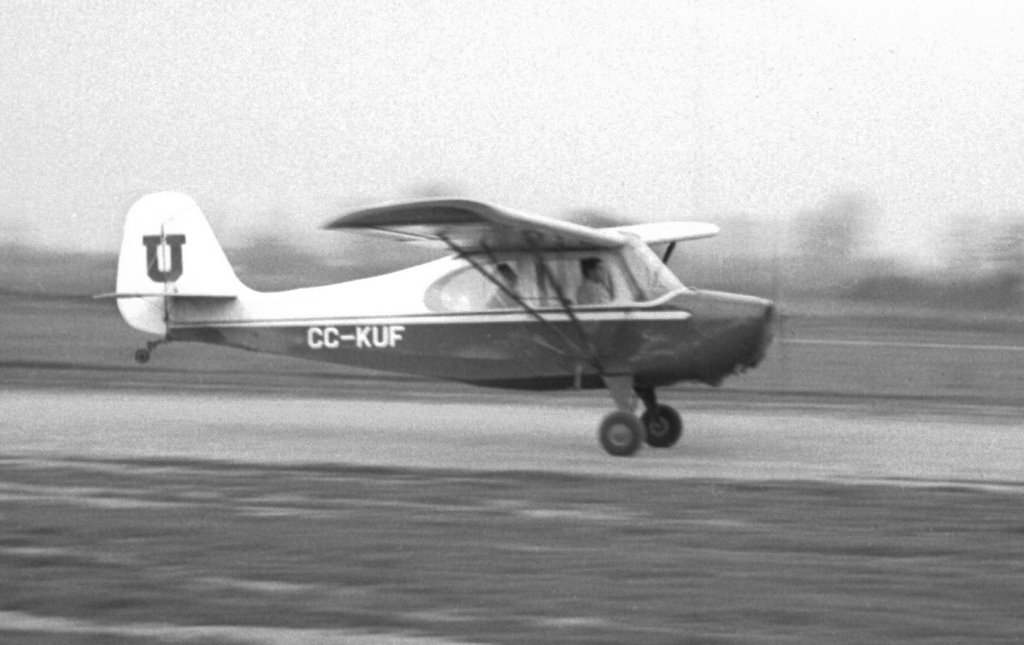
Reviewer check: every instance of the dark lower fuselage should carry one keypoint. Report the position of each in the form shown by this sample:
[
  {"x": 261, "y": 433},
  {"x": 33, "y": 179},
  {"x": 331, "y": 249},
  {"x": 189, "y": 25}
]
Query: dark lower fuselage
[{"x": 697, "y": 336}]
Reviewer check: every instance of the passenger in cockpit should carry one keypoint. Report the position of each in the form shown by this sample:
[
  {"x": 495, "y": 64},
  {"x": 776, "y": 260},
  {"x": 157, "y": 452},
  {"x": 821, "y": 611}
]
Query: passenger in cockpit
[{"x": 505, "y": 298}]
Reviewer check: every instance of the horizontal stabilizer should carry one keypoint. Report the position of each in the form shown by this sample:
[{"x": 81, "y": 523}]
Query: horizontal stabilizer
[{"x": 198, "y": 296}]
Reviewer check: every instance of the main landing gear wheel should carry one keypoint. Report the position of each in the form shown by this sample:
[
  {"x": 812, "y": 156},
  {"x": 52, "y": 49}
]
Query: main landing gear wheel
[
  {"x": 621, "y": 434},
  {"x": 664, "y": 426}
]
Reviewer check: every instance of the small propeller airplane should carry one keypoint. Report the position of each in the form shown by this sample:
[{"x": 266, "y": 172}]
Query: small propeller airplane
[{"x": 523, "y": 301}]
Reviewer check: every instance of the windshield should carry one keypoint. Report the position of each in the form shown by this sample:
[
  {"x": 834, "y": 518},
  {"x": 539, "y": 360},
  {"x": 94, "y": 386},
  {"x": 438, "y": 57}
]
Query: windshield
[{"x": 652, "y": 277}]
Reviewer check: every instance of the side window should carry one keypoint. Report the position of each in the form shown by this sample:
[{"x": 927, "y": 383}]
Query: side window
[
  {"x": 464, "y": 290},
  {"x": 467, "y": 289}
]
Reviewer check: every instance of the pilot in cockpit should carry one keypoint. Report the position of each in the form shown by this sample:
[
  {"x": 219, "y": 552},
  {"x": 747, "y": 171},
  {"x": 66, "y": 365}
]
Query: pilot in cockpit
[{"x": 596, "y": 287}]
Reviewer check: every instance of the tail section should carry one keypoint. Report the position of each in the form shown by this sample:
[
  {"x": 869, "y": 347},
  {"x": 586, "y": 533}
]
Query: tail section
[{"x": 169, "y": 251}]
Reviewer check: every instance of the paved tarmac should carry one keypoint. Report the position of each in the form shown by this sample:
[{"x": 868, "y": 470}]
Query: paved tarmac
[
  {"x": 516, "y": 432},
  {"x": 437, "y": 552}
]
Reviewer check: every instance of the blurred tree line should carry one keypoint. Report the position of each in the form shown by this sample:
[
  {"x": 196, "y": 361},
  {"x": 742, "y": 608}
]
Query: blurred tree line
[{"x": 830, "y": 252}]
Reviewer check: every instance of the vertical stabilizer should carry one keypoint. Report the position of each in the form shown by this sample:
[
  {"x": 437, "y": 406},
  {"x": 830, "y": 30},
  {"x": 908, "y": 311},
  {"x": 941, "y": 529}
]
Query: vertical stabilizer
[{"x": 169, "y": 250}]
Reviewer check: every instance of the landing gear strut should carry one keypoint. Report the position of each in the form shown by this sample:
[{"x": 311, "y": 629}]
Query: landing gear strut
[
  {"x": 142, "y": 354},
  {"x": 621, "y": 433}
]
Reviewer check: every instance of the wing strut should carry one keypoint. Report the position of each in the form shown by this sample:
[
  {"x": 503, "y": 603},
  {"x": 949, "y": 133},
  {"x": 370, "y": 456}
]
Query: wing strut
[
  {"x": 668, "y": 252},
  {"x": 585, "y": 353},
  {"x": 590, "y": 350}
]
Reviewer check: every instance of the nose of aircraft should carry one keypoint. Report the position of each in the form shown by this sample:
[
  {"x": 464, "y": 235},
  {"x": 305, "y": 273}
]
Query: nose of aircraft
[
  {"x": 733, "y": 333},
  {"x": 762, "y": 331}
]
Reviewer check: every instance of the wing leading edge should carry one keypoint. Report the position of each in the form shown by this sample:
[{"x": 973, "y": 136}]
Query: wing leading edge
[{"x": 473, "y": 226}]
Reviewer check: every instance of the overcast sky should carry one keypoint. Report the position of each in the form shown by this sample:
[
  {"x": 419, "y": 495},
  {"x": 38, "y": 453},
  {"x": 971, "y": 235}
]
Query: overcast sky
[{"x": 275, "y": 114}]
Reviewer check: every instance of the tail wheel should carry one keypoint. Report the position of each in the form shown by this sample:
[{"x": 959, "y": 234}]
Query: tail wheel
[
  {"x": 664, "y": 426},
  {"x": 621, "y": 434},
  {"x": 142, "y": 355}
]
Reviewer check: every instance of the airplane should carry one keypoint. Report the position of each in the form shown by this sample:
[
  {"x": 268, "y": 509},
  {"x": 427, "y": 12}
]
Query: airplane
[{"x": 522, "y": 301}]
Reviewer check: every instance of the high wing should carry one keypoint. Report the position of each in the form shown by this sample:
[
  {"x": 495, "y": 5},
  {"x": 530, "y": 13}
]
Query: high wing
[{"x": 473, "y": 226}]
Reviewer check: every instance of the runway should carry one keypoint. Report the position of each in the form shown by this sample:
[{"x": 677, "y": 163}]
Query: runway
[
  {"x": 854, "y": 442},
  {"x": 413, "y": 514}
]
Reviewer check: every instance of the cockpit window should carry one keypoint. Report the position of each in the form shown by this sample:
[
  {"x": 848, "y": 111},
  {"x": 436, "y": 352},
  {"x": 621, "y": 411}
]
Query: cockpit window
[
  {"x": 583, "y": 278},
  {"x": 652, "y": 277}
]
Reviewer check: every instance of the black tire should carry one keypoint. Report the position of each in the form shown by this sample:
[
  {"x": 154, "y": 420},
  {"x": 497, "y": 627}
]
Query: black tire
[
  {"x": 621, "y": 434},
  {"x": 664, "y": 428},
  {"x": 142, "y": 356}
]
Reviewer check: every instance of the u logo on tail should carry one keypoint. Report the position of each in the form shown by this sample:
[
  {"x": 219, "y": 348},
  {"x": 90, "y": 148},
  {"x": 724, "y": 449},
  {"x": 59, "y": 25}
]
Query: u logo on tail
[{"x": 152, "y": 244}]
